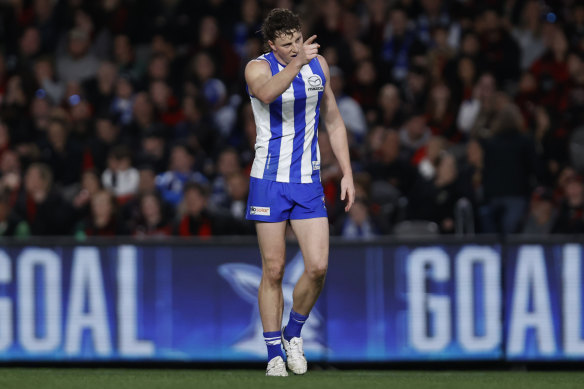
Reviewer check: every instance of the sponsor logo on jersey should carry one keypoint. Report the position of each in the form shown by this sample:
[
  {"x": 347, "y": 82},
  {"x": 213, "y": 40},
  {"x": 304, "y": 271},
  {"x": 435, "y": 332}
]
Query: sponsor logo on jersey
[
  {"x": 315, "y": 83},
  {"x": 260, "y": 211},
  {"x": 315, "y": 165}
]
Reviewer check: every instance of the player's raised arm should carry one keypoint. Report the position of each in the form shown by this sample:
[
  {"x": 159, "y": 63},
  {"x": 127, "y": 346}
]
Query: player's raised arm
[
  {"x": 291, "y": 51},
  {"x": 338, "y": 137}
]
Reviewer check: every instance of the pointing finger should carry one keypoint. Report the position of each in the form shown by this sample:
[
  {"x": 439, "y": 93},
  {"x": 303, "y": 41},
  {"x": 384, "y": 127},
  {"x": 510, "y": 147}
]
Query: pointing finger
[{"x": 310, "y": 40}]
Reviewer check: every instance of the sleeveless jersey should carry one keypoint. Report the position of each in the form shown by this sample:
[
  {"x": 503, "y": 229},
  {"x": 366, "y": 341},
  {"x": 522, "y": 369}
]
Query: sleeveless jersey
[{"x": 286, "y": 148}]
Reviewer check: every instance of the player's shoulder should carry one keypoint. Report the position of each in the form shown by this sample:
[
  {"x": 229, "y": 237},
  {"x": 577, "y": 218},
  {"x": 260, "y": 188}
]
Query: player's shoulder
[
  {"x": 323, "y": 65},
  {"x": 259, "y": 64}
]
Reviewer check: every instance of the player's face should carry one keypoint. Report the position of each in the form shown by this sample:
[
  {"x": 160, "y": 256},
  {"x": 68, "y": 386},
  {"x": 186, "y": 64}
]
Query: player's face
[{"x": 286, "y": 47}]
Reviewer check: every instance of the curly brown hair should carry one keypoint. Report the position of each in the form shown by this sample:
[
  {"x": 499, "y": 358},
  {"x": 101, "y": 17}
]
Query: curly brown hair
[{"x": 279, "y": 22}]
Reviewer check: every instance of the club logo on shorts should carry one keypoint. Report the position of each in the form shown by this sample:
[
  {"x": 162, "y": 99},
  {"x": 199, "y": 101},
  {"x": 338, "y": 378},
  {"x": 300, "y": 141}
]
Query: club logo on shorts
[
  {"x": 315, "y": 165},
  {"x": 315, "y": 83},
  {"x": 260, "y": 211}
]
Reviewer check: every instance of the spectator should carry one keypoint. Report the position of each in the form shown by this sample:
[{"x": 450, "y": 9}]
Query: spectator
[
  {"x": 360, "y": 222},
  {"x": 542, "y": 213},
  {"x": 46, "y": 22},
  {"x": 4, "y": 139},
  {"x": 430, "y": 156},
  {"x": 227, "y": 164},
  {"x": 502, "y": 54},
  {"x": 29, "y": 48},
  {"x": 350, "y": 110},
  {"x": 441, "y": 113},
  {"x": 122, "y": 103},
  {"x": 440, "y": 54},
  {"x": 142, "y": 118},
  {"x": 181, "y": 170},
  {"x": 90, "y": 185},
  {"x": 102, "y": 89},
  {"x": 62, "y": 155},
  {"x": 107, "y": 135},
  {"x": 214, "y": 91},
  {"x": 364, "y": 86},
  {"x": 196, "y": 127},
  {"x": 435, "y": 199},
  {"x": 132, "y": 210},
  {"x": 389, "y": 113},
  {"x": 47, "y": 81},
  {"x": 11, "y": 179},
  {"x": 155, "y": 148},
  {"x": 551, "y": 70},
  {"x": 120, "y": 176},
  {"x": 434, "y": 17},
  {"x": 14, "y": 105},
  {"x": 10, "y": 224},
  {"x": 78, "y": 64},
  {"x": 125, "y": 57},
  {"x": 103, "y": 220},
  {"x": 415, "y": 90},
  {"x": 471, "y": 173},
  {"x": 220, "y": 50},
  {"x": 476, "y": 115},
  {"x": 571, "y": 214},
  {"x": 165, "y": 103},
  {"x": 575, "y": 109},
  {"x": 463, "y": 82},
  {"x": 151, "y": 220},
  {"x": 510, "y": 165},
  {"x": 399, "y": 45},
  {"x": 250, "y": 22},
  {"x": 41, "y": 206},
  {"x": 528, "y": 33},
  {"x": 197, "y": 219},
  {"x": 237, "y": 191},
  {"x": 415, "y": 133},
  {"x": 388, "y": 163}
]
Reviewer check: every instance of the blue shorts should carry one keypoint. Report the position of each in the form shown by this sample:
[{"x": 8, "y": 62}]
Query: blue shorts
[{"x": 272, "y": 201}]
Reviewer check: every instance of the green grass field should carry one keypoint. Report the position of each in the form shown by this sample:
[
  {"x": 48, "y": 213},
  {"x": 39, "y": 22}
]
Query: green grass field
[{"x": 99, "y": 378}]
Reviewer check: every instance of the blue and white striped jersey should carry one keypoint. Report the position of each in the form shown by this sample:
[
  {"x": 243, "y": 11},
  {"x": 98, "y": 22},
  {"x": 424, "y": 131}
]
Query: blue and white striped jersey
[{"x": 287, "y": 129}]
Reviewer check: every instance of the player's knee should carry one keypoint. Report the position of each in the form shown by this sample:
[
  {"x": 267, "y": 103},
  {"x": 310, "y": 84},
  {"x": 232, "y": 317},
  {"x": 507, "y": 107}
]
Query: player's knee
[
  {"x": 317, "y": 271},
  {"x": 274, "y": 272}
]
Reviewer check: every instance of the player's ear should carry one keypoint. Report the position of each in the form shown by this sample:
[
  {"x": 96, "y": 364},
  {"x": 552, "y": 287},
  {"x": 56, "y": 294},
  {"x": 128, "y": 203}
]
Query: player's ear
[{"x": 271, "y": 44}]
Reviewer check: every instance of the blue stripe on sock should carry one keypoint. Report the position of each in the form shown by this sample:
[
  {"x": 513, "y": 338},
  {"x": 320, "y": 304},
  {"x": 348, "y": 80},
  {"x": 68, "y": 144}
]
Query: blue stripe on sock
[
  {"x": 294, "y": 326},
  {"x": 274, "y": 350}
]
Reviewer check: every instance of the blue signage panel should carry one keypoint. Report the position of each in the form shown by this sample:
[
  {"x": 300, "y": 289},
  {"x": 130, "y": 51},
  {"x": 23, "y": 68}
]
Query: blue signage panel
[
  {"x": 543, "y": 302},
  {"x": 380, "y": 303}
]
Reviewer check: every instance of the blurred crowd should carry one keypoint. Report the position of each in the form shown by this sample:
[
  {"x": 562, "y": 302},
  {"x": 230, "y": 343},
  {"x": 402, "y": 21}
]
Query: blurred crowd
[{"x": 131, "y": 117}]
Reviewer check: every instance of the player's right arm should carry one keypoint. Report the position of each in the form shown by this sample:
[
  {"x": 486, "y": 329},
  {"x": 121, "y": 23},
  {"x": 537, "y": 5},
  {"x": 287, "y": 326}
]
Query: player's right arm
[{"x": 265, "y": 87}]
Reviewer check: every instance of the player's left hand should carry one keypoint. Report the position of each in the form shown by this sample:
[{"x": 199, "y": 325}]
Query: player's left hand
[{"x": 348, "y": 191}]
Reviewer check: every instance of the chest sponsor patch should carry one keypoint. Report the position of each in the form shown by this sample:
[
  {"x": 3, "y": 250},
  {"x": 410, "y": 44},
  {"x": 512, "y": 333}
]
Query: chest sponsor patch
[
  {"x": 260, "y": 211},
  {"x": 315, "y": 83}
]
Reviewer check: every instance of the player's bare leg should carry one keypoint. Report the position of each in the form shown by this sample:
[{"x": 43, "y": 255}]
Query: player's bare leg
[
  {"x": 270, "y": 300},
  {"x": 313, "y": 237},
  {"x": 273, "y": 250}
]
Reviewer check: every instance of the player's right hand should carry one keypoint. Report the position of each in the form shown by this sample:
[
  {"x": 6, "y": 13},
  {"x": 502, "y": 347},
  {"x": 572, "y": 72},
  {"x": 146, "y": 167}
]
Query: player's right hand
[{"x": 308, "y": 51}]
